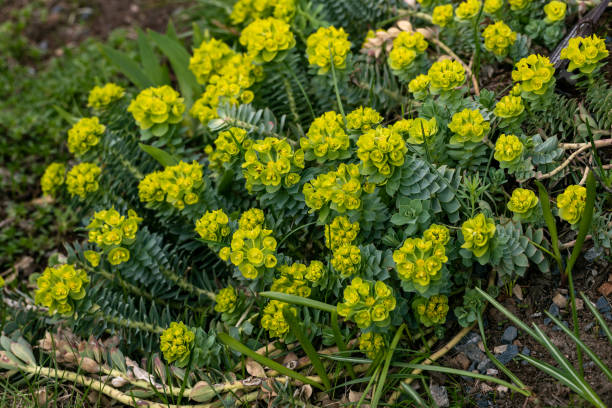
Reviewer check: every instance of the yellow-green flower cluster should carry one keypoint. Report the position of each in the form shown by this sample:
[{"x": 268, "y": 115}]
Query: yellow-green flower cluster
[
  {"x": 522, "y": 202},
  {"x": 535, "y": 74},
  {"x": 371, "y": 344},
  {"x": 571, "y": 203},
  {"x": 438, "y": 234},
  {"x": 213, "y": 226},
  {"x": 203, "y": 112},
  {"x": 253, "y": 247},
  {"x": 446, "y": 75},
  {"x": 157, "y": 106},
  {"x": 477, "y": 234},
  {"x": 59, "y": 287},
  {"x": 468, "y": 9},
  {"x": 102, "y": 96},
  {"x": 272, "y": 163},
  {"x": 265, "y": 38},
  {"x": 555, "y": 11},
  {"x": 380, "y": 150},
  {"x": 347, "y": 260},
  {"x": 327, "y": 45},
  {"x": 226, "y": 300},
  {"x": 176, "y": 343},
  {"x": 273, "y": 320},
  {"x": 419, "y": 85},
  {"x": 509, "y": 106},
  {"x": 326, "y": 139},
  {"x": 519, "y": 4},
  {"x": 178, "y": 185},
  {"x": 84, "y": 135},
  {"x": 295, "y": 279},
  {"x": 498, "y": 38},
  {"x": 508, "y": 149},
  {"x": 83, "y": 179},
  {"x": 228, "y": 145},
  {"x": 431, "y": 311},
  {"x": 341, "y": 188},
  {"x": 340, "y": 232},
  {"x": 247, "y": 10},
  {"x": 209, "y": 58},
  {"x": 442, "y": 15},
  {"x": 363, "y": 118},
  {"x": 52, "y": 178},
  {"x": 406, "y": 47},
  {"x": 492, "y": 6},
  {"x": 366, "y": 302},
  {"x": 420, "y": 129},
  {"x": 584, "y": 53},
  {"x": 420, "y": 261},
  {"x": 108, "y": 229},
  {"x": 468, "y": 126}
]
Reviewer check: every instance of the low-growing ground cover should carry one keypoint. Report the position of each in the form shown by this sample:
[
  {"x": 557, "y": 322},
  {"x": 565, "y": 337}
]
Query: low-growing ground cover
[{"x": 359, "y": 178}]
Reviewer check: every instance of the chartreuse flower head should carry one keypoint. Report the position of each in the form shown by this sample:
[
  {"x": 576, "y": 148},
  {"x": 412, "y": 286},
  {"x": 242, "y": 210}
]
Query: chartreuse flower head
[
  {"x": 347, "y": 260},
  {"x": 418, "y": 86},
  {"x": 328, "y": 44},
  {"x": 340, "y": 232},
  {"x": 407, "y": 46},
  {"x": 446, "y": 75},
  {"x": 176, "y": 343},
  {"x": 437, "y": 234},
  {"x": 52, "y": 178},
  {"x": 431, "y": 311},
  {"x": 420, "y": 261},
  {"x": 265, "y": 38},
  {"x": 363, "y": 118},
  {"x": 109, "y": 230},
  {"x": 228, "y": 145},
  {"x": 83, "y": 179},
  {"x": 270, "y": 164},
  {"x": 468, "y": 9},
  {"x": 523, "y": 203},
  {"x": 213, "y": 226},
  {"x": 203, "y": 112},
  {"x": 341, "y": 189},
  {"x": 468, "y": 126},
  {"x": 555, "y": 11},
  {"x": 252, "y": 247},
  {"x": 248, "y": 10},
  {"x": 84, "y": 135},
  {"x": 478, "y": 233},
  {"x": 209, "y": 58},
  {"x": 571, "y": 203},
  {"x": 498, "y": 38},
  {"x": 92, "y": 257},
  {"x": 178, "y": 185},
  {"x": 226, "y": 300},
  {"x": 59, "y": 288},
  {"x": 381, "y": 151},
  {"x": 156, "y": 108},
  {"x": 371, "y": 344},
  {"x": 442, "y": 15},
  {"x": 367, "y": 303},
  {"x": 508, "y": 149},
  {"x": 492, "y": 6},
  {"x": 101, "y": 96},
  {"x": 326, "y": 139},
  {"x": 296, "y": 279},
  {"x": 535, "y": 74},
  {"x": 519, "y": 4},
  {"x": 509, "y": 107},
  {"x": 584, "y": 53},
  {"x": 273, "y": 320},
  {"x": 420, "y": 130}
]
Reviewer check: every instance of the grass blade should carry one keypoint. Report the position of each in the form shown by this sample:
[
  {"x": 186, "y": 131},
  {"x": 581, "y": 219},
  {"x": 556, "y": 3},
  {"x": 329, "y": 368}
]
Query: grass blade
[
  {"x": 585, "y": 222},
  {"x": 508, "y": 314},
  {"x": 340, "y": 341},
  {"x": 550, "y": 223},
  {"x": 127, "y": 67},
  {"x": 553, "y": 372},
  {"x": 414, "y": 395},
  {"x": 150, "y": 62},
  {"x": 238, "y": 346},
  {"x": 298, "y": 300},
  {"x": 162, "y": 157},
  {"x": 598, "y": 316},
  {"x": 380, "y": 384}
]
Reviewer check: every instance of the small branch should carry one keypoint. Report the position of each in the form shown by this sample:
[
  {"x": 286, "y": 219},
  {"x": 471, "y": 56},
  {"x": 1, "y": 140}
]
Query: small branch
[
  {"x": 566, "y": 163},
  {"x": 598, "y": 143}
]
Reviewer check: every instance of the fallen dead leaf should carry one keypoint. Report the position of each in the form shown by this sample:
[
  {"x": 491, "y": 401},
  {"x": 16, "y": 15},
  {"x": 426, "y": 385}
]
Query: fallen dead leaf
[
  {"x": 255, "y": 369},
  {"x": 605, "y": 289},
  {"x": 518, "y": 292}
]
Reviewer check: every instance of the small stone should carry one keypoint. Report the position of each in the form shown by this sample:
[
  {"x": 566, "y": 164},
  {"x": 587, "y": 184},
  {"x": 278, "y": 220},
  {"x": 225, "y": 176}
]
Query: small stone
[
  {"x": 554, "y": 310},
  {"x": 481, "y": 346},
  {"x": 608, "y": 316},
  {"x": 593, "y": 253},
  {"x": 500, "y": 349},
  {"x": 526, "y": 351},
  {"x": 603, "y": 305},
  {"x": 509, "y": 335},
  {"x": 536, "y": 314},
  {"x": 472, "y": 351},
  {"x": 579, "y": 304},
  {"x": 560, "y": 301},
  {"x": 547, "y": 321},
  {"x": 492, "y": 371},
  {"x": 484, "y": 365},
  {"x": 440, "y": 395},
  {"x": 472, "y": 338},
  {"x": 589, "y": 326},
  {"x": 517, "y": 343},
  {"x": 460, "y": 361},
  {"x": 501, "y": 388},
  {"x": 508, "y": 355},
  {"x": 484, "y": 387}
]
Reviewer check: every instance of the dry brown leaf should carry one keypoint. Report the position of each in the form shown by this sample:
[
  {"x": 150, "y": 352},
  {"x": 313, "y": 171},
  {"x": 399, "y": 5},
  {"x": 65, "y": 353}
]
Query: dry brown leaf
[
  {"x": 518, "y": 292},
  {"x": 255, "y": 369}
]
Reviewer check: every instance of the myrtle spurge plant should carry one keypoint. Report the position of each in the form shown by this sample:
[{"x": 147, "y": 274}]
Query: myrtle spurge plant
[
  {"x": 339, "y": 190},
  {"x": 419, "y": 86},
  {"x": 555, "y": 11},
  {"x": 468, "y": 9},
  {"x": 155, "y": 109},
  {"x": 492, "y": 6},
  {"x": 534, "y": 73},
  {"x": 371, "y": 344},
  {"x": 273, "y": 320},
  {"x": 517, "y": 5},
  {"x": 498, "y": 38},
  {"x": 407, "y": 47},
  {"x": 178, "y": 185},
  {"x": 367, "y": 303},
  {"x": 209, "y": 58},
  {"x": 265, "y": 38},
  {"x": 431, "y": 311},
  {"x": 176, "y": 343},
  {"x": 83, "y": 179},
  {"x": 347, "y": 260},
  {"x": 420, "y": 130},
  {"x": 297, "y": 278},
  {"x": 380, "y": 150},
  {"x": 84, "y": 135},
  {"x": 228, "y": 146},
  {"x": 328, "y": 46},
  {"x": 53, "y": 178},
  {"x": 419, "y": 262},
  {"x": 248, "y": 10},
  {"x": 523, "y": 203},
  {"x": 363, "y": 118},
  {"x": 326, "y": 139},
  {"x": 271, "y": 164},
  {"x": 340, "y": 232},
  {"x": 509, "y": 108},
  {"x": 100, "y": 97},
  {"x": 477, "y": 234},
  {"x": 571, "y": 203},
  {"x": 584, "y": 53},
  {"x": 468, "y": 126},
  {"x": 60, "y": 287},
  {"x": 442, "y": 15},
  {"x": 226, "y": 300},
  {"x": 445, "y": 75},
  {"x": 508, "y": 149},
  {"x": 213, "y": 226},
  {"x": 111, "y": 231}
]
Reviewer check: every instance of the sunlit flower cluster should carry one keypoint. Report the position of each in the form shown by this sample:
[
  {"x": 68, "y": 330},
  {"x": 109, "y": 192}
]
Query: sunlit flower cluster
[
  {"x": 271, "y": 164},
  {"x": 584, "y": 53},
  {"x": 431, "y": 311},
  {"x": 59, "y": 287},
  {"x": 442, "y": 15},
  {"x": 555, "y": 11},
  {"x": 535, "y": 74},
  {"x": 265, "y": 38},
  {"x": 406, "y": 47},
  {"x": 228, "y": 146},
  {"x": 420, "y": 261},
  {"x": 273, "y": 320},
  {"x": 371, "y": 344},
  {"x": 340, "y": 232},
  {"x": 446, "y": 75},
  {"x": 176, "y": 343},
  {"x": 419, "y": 85},
  {"x": 109, "y": 230},
  {"x": 492, "y": 6},
  {"x": 328, "y": 44},
  {"x": 522, "y": 202},
  {"x": 326, "y": 139},
  {"x": 468, "y": 9},
  {"x": 518, "y": 4},
  {"x": 82, "y": 179},
  {"x": 53, "y": 178},
  {"x": 178, "y": 185},
  {"x": 101, "y": 96},
  {"x": 157, "y": 107},
  {"x": 508, "y": 149},
  {"x": 478, "y": 233},
  {"x": 297, "y": 278},
  {"x": 213, "y": 226},
  {"x": 509, "y": 106},
  {"x": 498, "y": 38},
  {"x": 571, "y": 203},
  {"x": 437, "y": 234},
  {"x": 420, "y": 129},
  {"x": 367, "y": 303},
  {"x": 341, "y": 189},
  {"x": 226, "y": 300},
  {"x": 468, "y": 126},
  {"x": 248, "y": 10},
  {"x": 363, "y": 118},
  {"x": 347, "y": 260},
  {"x": 209, "y": 58},
  {"x": 84, "y": 135},
  {"x": 380, "y": 150}
]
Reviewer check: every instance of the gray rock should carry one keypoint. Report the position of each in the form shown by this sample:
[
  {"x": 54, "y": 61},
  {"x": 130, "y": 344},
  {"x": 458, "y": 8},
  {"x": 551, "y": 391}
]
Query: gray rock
[
  {"x": 509, "y": 335},
  {"x": 608, "y": 316},
  {"x": 603, "y": 305},
  {"x": 440, "y": 395},
  {"x": 484, "y": 365},
  {"x": 508, "y": 355},
  {"x": 589, "y": 326},
  {"x": 593, "y": 253},
  {"x": 547, "y": 321},
  {"x": 471, "y": 337},
  {"x": 472, "y": 352},
  {"x": 554, "y": 310},
  {"x": 526, "y": 351}
]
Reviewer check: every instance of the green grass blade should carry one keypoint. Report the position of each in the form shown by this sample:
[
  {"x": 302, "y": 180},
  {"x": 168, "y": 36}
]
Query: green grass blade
[
  {"x": 162, "y": 157},
  {"x": 554, "y": 372},
  {"x": 507, "y": 313},
  {"x": 598, "y": 316},
  {"x": 586, "y": 349},
  {"x": 367, "y": 388},
  {"x": 414, "y": 395},
  {"x": 340, "y": 341},
  {"x": 127, "y": 67},
  {"x": 150, "y": 62},
  {"x": 550, "y": 223},
  {"x": 300, "y": 334},
  {"x": 298, "y": 300},
  {"x": 380, "y": 384},
  {"x": 238, "y": 346}
]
